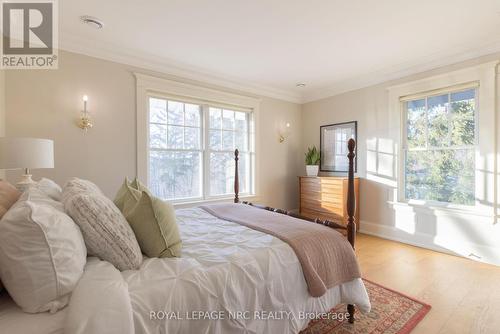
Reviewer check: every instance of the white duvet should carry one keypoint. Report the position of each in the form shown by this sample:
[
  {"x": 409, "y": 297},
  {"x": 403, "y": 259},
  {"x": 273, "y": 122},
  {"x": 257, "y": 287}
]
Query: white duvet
[{"x": 230, "y": 279}]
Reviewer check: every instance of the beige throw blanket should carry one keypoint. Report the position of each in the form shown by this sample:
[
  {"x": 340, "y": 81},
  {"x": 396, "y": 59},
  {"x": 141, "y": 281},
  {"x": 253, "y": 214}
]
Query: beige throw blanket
[{"x": 326, "y": 257}]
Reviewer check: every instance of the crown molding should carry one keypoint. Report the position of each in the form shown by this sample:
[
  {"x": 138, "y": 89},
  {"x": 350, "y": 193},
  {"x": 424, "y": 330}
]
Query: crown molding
[
  {"x": 430, "y": 62},
  {"x": 141, "y": 60},
  {"x": 146, "y": 61}
]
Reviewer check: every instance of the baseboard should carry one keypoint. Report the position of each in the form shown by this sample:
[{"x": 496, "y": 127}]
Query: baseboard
[{"x": 476, "y": 252}]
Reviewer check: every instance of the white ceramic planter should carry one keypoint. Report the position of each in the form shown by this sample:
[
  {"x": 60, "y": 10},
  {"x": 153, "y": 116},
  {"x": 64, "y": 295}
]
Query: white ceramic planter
[{"x": 312, "y": 170}]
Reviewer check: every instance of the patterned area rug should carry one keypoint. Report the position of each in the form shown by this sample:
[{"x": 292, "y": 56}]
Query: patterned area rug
[{"x": 392, "y": 312}]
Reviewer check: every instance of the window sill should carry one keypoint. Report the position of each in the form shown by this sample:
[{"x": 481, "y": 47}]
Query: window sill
[
  {"x": 194, "y": 203},
  {"x": 432, "y": 208}
]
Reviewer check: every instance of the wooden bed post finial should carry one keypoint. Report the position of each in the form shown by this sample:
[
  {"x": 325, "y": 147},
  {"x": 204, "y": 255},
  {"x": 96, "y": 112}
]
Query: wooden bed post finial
[{"x": 236, "y": 177}]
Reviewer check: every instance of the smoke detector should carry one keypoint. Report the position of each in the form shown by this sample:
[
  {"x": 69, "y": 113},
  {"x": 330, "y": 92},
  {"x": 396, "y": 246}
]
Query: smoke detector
[{"x": 91, "y": 21}]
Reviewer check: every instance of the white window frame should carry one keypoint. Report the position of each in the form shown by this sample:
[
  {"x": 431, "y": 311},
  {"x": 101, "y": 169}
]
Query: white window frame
[
  {"x": 149, "y": 86},
  {"x": 404, "y": 138},
  {"x": 484, "y": 77}
]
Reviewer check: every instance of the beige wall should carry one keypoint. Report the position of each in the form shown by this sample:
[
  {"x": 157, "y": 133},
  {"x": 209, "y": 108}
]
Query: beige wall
[
  {"x": 279, "y": 162},
  {"x": 2, "y": 102},
  {"x": 2, "y": 110},
  {"x": 46, "y": 104},
  {"x": 378, "y": 149}
]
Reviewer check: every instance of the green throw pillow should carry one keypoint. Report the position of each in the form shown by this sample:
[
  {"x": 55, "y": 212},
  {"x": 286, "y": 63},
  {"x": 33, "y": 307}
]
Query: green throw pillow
[
  {"x": 120, "y": 195},
  {"x": 136, "y": 184},
  {"x": 152, "y": 220},
  {"x": 124, "y": 191}
]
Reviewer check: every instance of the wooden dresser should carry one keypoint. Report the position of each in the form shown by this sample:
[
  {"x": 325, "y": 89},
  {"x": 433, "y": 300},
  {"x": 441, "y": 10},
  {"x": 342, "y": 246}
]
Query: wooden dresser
[{"x": 326, "y": 198}]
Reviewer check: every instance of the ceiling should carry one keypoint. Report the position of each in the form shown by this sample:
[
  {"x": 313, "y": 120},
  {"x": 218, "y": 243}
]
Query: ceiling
[{"x": 268, "y": 46}]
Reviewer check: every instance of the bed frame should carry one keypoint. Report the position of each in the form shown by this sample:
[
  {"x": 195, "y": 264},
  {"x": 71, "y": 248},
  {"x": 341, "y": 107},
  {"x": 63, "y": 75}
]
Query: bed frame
[{"x": 349, "y": 229}]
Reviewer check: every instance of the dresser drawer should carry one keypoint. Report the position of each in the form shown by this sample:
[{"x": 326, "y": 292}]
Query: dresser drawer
[
  {"x": 326, "y": 198},
  {"x": 313, "y": 184},
  {"x": 306, "y": 202}
]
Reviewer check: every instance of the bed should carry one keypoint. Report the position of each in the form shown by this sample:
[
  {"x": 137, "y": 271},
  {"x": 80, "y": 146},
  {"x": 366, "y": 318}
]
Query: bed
[{"x": 230, "y": 279}]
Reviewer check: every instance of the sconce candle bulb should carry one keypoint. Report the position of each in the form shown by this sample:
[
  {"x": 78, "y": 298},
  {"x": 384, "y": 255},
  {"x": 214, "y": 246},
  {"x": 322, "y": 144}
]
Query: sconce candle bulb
[
  {"x": 85, "y": 122},
  {"x": 85, "y": 99},
  {"x": 284, "y": 132}
]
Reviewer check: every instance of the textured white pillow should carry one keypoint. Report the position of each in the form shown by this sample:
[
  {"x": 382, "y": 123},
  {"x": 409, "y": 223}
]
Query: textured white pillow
[
  {"x": 75, "y": 186},
  {"x": 42, "y": 253},
  {"x": 105, "y": 230},
  {"x": 49, "y": 187}
]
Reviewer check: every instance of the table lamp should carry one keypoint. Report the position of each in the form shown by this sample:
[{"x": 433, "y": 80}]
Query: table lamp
[{"x": 26, "y": 153}]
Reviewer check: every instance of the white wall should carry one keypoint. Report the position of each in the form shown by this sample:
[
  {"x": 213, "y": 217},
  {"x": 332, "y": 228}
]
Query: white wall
[
  {"x": 378, "y": 149},
  {"x": 46, "y": 104}
]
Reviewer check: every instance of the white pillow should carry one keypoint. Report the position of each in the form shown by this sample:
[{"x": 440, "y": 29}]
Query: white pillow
[
  {"x": 105, "y": 230},
  {"x": 49, "y": 187},
  {"x": 75, "y": 186},
  {"x": 42, "y": 253}
]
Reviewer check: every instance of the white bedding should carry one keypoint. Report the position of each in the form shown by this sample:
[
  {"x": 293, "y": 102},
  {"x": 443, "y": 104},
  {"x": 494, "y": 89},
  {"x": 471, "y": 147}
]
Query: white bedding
[
  {"x": 224, "y": 268},
  {"x": 14, "y": 320}
]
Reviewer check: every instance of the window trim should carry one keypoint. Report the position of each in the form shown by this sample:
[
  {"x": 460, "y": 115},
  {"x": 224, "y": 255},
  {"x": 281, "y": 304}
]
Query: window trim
[{"x": 149, "y": 86}]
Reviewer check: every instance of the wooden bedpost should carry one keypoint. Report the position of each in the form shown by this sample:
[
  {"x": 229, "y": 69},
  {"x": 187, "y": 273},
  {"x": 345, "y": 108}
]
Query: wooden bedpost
[
  {"x": 351, "y": 205},
  {"x": 351, "y": 199},
  {"x": 236, "y": 177}
]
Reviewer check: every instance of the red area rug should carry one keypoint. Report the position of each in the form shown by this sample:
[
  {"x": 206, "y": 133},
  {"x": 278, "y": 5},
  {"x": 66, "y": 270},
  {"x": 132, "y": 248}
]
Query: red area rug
[{"x": 392, "y": 312}]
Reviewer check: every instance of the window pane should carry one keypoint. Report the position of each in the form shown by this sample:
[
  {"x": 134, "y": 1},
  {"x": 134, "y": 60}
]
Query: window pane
[
  {"x": 241, "y": 141},
  {"x": 215, "y": 140},
  {"x": 244, "y": 172},
  {"x": 175, "y": 175},
  {"x": 437, "y": 109},
  {"x": 175, "y": 113},
  {"x": 175, "y": 136},
  {"x": 157, "y": 110},
  {"x": 441, "y": 175},
  {"x": 192, "y": 138},
  {"x": 416, "y": 123},
  {"x": 228, "y": 119},
  {"x": 192, "y": 115},
  {"x": 222, "y": 173},
  {"x": 240, "y": 119},
  {"x": 215, "y": 118},
  {"x": 227, "y": 140},
  {"x": 158, "y": 136},
  {"x": 465, "y": 95},
  {"x": 462, "y": 118}
]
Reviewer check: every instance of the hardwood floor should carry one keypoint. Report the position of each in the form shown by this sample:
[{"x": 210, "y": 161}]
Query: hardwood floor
[{"x": 464, "y": 294}]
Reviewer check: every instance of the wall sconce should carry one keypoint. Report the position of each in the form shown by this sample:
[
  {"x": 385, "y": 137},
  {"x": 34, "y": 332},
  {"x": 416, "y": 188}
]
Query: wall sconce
[
  {"x": 284, "y": 132},
  {"x": 85, "y": 122}
]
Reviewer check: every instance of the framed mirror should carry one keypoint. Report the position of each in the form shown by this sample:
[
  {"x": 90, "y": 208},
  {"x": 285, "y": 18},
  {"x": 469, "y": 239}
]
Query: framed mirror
[{"x": 333, "y": 146}]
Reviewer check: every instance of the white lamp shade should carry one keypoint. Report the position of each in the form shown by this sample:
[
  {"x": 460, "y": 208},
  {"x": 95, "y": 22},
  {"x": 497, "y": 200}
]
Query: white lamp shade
[{"x": 18, "y": 153}]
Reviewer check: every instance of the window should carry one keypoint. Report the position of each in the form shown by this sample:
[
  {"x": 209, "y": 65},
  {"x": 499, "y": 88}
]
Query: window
[
  {"x": 228, "y": 130},
  {"x": 440, "y": 145},
  {"x": 191, "y": 149}
]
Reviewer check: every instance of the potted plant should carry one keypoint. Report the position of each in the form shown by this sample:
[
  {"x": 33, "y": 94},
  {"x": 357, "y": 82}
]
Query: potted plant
[{"x": 312, "y": 161}]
